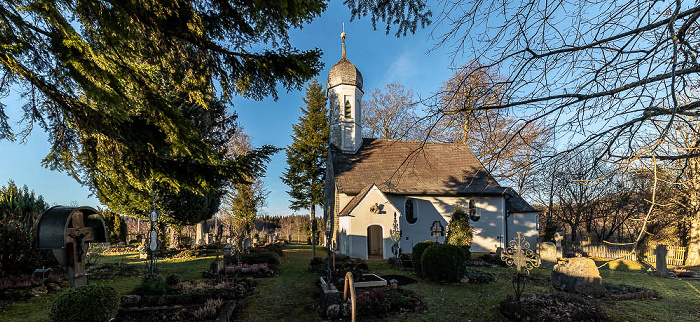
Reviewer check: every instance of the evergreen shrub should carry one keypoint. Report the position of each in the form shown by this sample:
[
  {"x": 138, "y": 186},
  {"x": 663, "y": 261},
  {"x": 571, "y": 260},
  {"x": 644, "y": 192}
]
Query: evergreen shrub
[
  {"x": 443, "y": 263},
  {"x": 416, "y": 254},
  {"x": 93, "y": 303},
  {"x": 460, "y": 232}
]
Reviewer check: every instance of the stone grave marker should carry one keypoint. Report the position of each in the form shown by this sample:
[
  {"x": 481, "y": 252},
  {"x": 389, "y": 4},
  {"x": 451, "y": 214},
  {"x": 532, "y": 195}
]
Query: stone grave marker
[
  {"x": 661, "y": 267},
  {"x": 557, "y": 239},
  {"x": 66, "y": 231},
  {"x": 578, "y": 274},
  {"x": 548, "y": 254}
]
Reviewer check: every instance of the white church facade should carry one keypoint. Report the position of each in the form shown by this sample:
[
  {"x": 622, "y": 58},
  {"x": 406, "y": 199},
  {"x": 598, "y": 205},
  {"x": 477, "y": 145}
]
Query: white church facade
[{"x": 371, "y": 183}]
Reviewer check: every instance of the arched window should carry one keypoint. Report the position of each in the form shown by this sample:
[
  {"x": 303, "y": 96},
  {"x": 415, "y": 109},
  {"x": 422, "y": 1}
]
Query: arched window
[
  {"x": 410, "y": 212},
  {"x": 348, "y": 107},
  {"x": 473, "y": 216}
]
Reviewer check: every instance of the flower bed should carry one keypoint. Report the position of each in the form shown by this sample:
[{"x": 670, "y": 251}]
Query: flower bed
[
  {"x": 680, "y": 272},
  {"x": 551, "y": 307},
  {"x": 187, "y": 301},
  {"x": 378, "y": 302},
  {"x": 255, "y": 270},
  {"x": 21, "y": 287}
]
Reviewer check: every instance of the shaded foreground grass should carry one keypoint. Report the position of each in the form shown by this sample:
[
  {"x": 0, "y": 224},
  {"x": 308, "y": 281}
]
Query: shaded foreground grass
[
  {"x": 293, "y": 295},
  {"x": 37, "y": 308}
]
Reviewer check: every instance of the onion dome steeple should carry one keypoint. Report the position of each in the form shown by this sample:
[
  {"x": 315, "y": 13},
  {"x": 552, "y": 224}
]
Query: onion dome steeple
[{"x": 344, "y": 72}]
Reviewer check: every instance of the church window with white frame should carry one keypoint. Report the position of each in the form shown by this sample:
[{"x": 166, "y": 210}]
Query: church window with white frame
[{"x": 410, "y": 211}]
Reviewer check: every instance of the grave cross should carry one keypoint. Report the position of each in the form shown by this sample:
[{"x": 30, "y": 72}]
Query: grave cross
[
  {"x": 395, "y": 235},
  {"x": 76, "y": 236},
  {"x": 437, "y": 230},
  {"x": 520, "y": 255}
]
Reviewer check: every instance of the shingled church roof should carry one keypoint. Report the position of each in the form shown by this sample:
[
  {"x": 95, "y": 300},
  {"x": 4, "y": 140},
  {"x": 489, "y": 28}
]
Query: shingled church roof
[{"x": 413, "y": 167}]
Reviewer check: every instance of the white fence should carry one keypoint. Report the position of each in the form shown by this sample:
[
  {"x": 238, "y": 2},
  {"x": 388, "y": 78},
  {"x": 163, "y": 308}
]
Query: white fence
[{"x": 675, "y": 255}]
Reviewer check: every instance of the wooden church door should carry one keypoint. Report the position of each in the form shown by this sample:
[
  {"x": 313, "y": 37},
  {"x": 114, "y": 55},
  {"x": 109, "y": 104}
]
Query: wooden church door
[{"x": 375, "y": 241}]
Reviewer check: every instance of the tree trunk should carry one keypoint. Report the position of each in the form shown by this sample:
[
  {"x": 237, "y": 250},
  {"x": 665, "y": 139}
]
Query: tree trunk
[
  {"x": 313, "y": 233},
  {"x": 693, "y": 258}
]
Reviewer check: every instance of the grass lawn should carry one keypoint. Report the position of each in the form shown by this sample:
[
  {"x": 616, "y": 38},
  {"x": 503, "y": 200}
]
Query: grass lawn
[
  {"x": 288, "y": 298},
  {"x": 293, "y": 295}
]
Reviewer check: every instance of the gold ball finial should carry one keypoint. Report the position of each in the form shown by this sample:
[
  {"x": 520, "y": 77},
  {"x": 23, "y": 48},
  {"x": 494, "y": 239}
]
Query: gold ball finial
[{"x": 342, "y": 36}]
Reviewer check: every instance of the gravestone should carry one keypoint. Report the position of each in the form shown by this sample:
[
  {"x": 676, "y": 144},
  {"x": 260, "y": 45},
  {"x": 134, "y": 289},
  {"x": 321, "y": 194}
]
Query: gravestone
[
  {"x": 67, "y": 231},
  {"x": 661, "y": 268},
  {"x": 557, "y": 239},
  {"x": 578, "y": 274},
  {"x": 199, "y": 239},
  {"x": 548, "y": 254}
]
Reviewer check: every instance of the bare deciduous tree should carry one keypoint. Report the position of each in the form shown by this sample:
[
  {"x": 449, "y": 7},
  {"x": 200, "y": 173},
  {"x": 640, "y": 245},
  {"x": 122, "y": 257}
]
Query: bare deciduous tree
[
  {"x": 597, "y": 72},
  {"x": 391, "y": 114},
  {"x": 507, "y": 147}
]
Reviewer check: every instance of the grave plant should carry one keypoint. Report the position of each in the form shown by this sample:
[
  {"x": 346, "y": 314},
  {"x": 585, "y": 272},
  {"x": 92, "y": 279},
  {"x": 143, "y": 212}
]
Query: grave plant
[
  {"x": 86, "y": 303},
  {"x": 443, "y": 263}
]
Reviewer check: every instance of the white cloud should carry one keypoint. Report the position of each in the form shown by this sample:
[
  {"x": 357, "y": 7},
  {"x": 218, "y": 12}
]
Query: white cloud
[{"x": 403, "y": 69}]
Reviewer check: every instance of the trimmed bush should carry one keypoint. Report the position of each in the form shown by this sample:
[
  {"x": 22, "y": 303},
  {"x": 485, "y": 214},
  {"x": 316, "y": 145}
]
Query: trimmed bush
[
  {"x": 443, "y": 263},
  {"x": 86, "y": 303},
  {"x": 416, "y": 254}
]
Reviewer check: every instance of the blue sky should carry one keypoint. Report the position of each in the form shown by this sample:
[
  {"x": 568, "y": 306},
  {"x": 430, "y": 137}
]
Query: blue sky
[{"x": 381, "y": 58}]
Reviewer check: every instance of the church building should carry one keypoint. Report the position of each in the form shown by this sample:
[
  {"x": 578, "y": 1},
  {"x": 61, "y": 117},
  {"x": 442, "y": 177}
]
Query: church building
[{"x": 376, "y": 185}]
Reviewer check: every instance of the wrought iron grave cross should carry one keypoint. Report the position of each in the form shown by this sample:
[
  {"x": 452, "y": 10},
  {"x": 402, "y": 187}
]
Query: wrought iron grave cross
[
  {"x": 519, "y": 255},
  {"x": 437, "y": 230},
  {"x": 395, "y": 235}
]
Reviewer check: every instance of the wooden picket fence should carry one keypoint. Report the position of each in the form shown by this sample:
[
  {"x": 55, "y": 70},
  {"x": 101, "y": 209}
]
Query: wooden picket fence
[{"x": 675, "y": 255}]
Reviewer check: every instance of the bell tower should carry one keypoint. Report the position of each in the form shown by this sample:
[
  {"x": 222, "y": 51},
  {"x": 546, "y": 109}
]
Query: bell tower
[{"x": 344, "y": 91}]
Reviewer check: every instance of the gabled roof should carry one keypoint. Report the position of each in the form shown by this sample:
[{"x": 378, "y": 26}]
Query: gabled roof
[
  {"x": 515, "y": 203},
  {"x": 357, "y": 199},
  {"x": 412, "y": 167}
]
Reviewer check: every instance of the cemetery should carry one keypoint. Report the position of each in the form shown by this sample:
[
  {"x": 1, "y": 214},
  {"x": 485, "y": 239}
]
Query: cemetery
[
  {"x": 228, "y": 161},
  {"x": 279, "y": 281}
]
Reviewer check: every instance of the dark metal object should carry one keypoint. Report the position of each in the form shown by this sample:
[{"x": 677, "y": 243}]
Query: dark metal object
[
  {"x": 66, "y": 230},
  {"x": 437, "y": 230},
  {"x": 152, "y": 266},
  {"x": 519, "y": 255},
  {"x": 395, "y": 235}
]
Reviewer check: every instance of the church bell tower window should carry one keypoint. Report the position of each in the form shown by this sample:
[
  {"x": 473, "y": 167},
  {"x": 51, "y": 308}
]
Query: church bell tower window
[{"x": 348, "y": 107}]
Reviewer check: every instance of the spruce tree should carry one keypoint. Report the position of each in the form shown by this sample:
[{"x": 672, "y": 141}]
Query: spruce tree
[{"x": 306, "y": 156}]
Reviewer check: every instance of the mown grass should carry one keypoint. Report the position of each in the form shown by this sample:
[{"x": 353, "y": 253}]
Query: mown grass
[
  {"x": 476, "y": 302},
  {"x": 291, "y": 296}
]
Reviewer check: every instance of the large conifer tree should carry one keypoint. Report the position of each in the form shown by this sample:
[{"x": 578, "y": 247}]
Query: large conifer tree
[{"x": 306, "y": 156}]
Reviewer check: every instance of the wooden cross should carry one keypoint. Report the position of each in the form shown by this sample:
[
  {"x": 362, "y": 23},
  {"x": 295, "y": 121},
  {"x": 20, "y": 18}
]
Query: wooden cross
[
  {"x": 520, "y": 255},
  {"x": 76, "y": 235}
]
